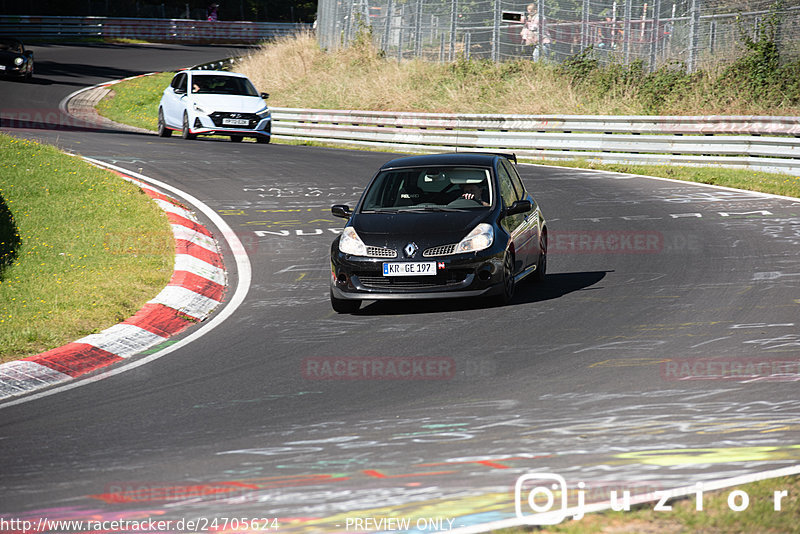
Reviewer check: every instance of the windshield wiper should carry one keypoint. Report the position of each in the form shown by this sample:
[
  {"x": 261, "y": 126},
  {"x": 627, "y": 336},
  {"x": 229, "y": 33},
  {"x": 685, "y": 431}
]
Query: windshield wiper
[{"x": 429, "y": 208}]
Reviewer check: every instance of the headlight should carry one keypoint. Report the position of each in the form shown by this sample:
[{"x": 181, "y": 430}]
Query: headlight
[
  {"x": 480, "y": 238},
  {"x": 199, "y": 109},
  {"x": 18, "y": 61},
  {"x": 264, "y": 114},
  {"x": 350, "y": 243}
]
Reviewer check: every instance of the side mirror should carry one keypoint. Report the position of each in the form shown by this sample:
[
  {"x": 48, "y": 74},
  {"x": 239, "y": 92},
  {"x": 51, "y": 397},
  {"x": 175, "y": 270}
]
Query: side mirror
[
  {"x": 265, "y": 95},
  {"x": 519, "y": 206},
  {"x": 341, "y": 210}
]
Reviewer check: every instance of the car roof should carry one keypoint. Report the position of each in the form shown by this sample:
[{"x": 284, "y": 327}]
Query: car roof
[{"x": 453, "y": 158}]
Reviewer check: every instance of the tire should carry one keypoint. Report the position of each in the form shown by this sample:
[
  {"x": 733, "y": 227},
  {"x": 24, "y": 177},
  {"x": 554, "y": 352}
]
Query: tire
[
  {"x": 509, "y": 284},
  {"x": 186, "y": 133},
  {"x": 236, "y": 138},
  {"x": 163, "y": 131},
  {"x": 344, "y": 305},
  {"x": 264, "y": 139},
  {"x": 541, "y": 265}
]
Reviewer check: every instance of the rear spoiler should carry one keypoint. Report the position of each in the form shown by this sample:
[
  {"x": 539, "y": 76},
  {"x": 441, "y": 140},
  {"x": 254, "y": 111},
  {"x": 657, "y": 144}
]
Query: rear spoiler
[{"x": 512, "y": 156}]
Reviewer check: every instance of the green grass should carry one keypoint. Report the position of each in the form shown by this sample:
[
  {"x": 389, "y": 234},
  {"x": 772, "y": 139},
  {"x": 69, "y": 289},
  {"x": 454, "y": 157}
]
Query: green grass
[
  {"x": 135, "y": 101},
  {"x": 716, "y": 517},
  {"x": 80, "y": 248}
]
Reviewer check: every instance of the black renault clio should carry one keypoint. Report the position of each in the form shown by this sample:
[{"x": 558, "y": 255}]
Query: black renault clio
[{"x": 438, "y": 226}]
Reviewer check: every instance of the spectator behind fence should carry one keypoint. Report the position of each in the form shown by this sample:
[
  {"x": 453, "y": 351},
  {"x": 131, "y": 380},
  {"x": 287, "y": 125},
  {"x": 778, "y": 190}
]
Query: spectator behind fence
[
  {"x": 532, "y": 22},
  {"x": 212, "y": 12}
]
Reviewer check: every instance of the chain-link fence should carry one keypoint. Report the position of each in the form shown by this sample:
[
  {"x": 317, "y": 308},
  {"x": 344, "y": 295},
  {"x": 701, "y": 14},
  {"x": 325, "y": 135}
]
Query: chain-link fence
[{"x": 653, "y": 31}]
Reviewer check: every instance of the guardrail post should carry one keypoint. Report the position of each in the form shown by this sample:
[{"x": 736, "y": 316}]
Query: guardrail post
[
  {"x": 400, "y": 33},
  {"x": 496, "y": 31},
  {"x": 387, "y": 28},
  {"x": 540, "y": 34},
  {"x": 694, "y": 27},
  {"x": 626, "y": 37},
  {"x": 656, "y": 34},
  {"x": 453, "y": 28},
  {"x": 585, "y": 25}
]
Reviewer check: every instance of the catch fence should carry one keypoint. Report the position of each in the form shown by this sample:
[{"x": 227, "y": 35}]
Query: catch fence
[{"x": 655, "y": 32}]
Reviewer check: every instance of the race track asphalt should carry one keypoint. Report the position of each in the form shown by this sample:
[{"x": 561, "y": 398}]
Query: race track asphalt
[{"x": 601, "y": 375}]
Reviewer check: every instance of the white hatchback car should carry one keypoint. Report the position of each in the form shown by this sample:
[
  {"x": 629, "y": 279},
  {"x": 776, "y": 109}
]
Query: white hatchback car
[{"x": 206, "y": 102}]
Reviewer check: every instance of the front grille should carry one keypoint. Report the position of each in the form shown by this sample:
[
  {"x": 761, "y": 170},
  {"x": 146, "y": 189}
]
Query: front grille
[
  {"x": 444, "y": 279},
  {"x": 442, "y": 250},
  {"x": 380, "y": 252},
  {"x": 218, "y": 116}
]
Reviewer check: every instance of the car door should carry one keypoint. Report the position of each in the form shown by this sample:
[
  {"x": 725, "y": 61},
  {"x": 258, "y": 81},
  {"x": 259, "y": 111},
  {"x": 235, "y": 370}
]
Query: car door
[
  {"x": 530, "y": 222},
  {"x": 513, "y": 224},
  {"x": 174, "y": 100}
]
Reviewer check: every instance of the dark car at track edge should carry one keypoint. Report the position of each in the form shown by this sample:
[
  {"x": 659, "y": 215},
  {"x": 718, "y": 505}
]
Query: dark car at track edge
[
  {"x": 438, "y": 226},
  {"x": 14, "y": 59}
]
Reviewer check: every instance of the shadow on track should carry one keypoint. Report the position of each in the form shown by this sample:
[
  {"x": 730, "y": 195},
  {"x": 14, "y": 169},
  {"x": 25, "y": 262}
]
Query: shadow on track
[{"x": 554, "y": 286}]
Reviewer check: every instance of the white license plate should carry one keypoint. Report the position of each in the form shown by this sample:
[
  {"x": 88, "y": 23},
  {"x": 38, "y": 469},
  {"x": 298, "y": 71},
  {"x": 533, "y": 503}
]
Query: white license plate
[
  {"x": 235, "y": 122},
  {"x": 411, "y": 268}
]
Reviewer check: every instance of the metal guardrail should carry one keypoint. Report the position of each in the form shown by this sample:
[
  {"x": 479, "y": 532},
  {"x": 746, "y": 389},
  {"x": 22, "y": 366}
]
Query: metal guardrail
[
  {"x": 770, "y": 144},
  {"x": 154, "y": 30}
]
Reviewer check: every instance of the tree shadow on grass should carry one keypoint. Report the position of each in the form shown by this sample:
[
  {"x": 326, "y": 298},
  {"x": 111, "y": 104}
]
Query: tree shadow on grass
[{"x": 9, "y": 237}]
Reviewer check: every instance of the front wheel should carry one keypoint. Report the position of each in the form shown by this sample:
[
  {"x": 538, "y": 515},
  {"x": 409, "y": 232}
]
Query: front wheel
[
  {"x": 186, "y": 133},
  {"x": 344, "y": 305},
  {"x": 509, "y": 283},
  {"x": 265, "y": 138},
  {"x": 163, "y": 131}
]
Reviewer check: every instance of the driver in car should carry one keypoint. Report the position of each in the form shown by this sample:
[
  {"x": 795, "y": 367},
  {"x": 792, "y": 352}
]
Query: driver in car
[{"x": 473, "y": 192}]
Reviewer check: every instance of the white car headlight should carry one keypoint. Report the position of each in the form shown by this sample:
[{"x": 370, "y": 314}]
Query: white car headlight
[
  {"x": 199, "y": 109},
  {"x": 481, "y": 237},
  {"x": 18, "y": 61},
  {"x": 263, "y": 114},
  {"x": 350, "y": 243}
]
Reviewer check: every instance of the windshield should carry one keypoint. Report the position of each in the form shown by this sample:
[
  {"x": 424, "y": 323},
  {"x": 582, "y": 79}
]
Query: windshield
[
  {"x": 10, "y": 45},
  {"x": 430, "y": 189},
  {"x": 218, "y": 84}
]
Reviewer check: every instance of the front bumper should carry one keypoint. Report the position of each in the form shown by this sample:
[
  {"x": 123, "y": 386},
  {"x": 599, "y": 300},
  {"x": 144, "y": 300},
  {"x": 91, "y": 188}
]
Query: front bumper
[
  {"x": 461, "y": 275},
  {"x": 15, "y": 71},
  {"x": 206, "y": 125}
]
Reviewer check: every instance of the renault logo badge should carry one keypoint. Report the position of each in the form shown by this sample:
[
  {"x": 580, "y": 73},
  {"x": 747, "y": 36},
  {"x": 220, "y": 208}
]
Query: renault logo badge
[{"x": 410, "y": 250}]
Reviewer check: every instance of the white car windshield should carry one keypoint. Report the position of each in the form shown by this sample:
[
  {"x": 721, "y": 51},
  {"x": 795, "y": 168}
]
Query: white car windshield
[
  {"x": 430, "y": 189},
  {"x": 217, "y": 84}
]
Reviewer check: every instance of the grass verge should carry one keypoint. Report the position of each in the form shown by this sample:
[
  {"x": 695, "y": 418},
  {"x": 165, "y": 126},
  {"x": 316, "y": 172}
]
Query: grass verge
[
  {"x": 135, "y": 101},
  {"x": 81, "y": 249},
  {"x": 718, "y": 514}
]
